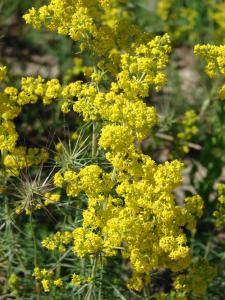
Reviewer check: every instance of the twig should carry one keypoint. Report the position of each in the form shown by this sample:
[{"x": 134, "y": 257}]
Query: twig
[{"x": 171, "y": 139}]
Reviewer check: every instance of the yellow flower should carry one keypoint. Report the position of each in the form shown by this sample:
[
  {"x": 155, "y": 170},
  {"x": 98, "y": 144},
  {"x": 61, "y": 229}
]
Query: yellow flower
[
  {"x": 215, "y": 61},
  {"x": 8, "y": 136},
  {"x": 58, "y": 282},
  {"x": 76, "y": 280},
  {"x": 45, "y": 284},
  {"x": 3, "y": 72}
]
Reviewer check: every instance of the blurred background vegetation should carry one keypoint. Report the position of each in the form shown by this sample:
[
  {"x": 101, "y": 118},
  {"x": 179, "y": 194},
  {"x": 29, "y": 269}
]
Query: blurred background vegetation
[{"x": 191, "y": 127}]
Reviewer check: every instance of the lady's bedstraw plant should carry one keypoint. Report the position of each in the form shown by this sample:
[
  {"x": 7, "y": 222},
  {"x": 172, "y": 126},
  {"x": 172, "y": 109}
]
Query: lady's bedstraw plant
[
  {"x": 219, "y": 213},
  {"x": 188, "y": 19},
  {"x": 12, "y": 100},
  {"x": 131, "y": 209},
  {"x": 215, "y": 59},
  {"x": 185, "y": 24}
]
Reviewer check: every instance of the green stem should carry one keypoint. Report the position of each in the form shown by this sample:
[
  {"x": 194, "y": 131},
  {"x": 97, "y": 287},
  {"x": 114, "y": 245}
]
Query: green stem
[
  {"x": 101, "y": 278},
  {"x": 93, "y": 274},
  {"x": 37, "y": 288},
  {"x": 8, "y": 233},
  {"x": 94, "y": 141},
  {"x": 34, "y": 241},
  {"x": 147, "y": 294},
  {"x": 61, "y": 258},
  {"x": 113, "y": 174}
]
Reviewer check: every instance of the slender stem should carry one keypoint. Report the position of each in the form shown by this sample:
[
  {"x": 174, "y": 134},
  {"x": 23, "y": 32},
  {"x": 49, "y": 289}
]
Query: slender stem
[
  {"x": 101, "y": 278},
  {"x": 93, "y": 274},
  {"x": 94, "y": 141},
  {"x": 8, "y": 233},
  {"x": 113, "y": 174},
  {"x": 147, "y": 294},
  {"x": 62, "y": 257},
  {"x": 82, "y": 266},
  {"x": 34, "y": 241},
  {"x": 37, "y": 288}
]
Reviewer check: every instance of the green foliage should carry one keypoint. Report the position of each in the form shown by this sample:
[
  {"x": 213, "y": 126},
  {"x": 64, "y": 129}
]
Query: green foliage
[{"x": 190, "y": 128}]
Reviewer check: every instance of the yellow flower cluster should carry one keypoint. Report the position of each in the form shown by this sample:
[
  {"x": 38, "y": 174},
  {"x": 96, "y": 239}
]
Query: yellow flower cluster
[
  {"x": 21, "y": 157},
  {"x": 58, "y": 241},
  {"x": 219, "y": 213},
  {"x": 182, "y": 19},
  {"x": 142, "y": 216},
  {"x": 78, "y": 280},
  {"x": 47, "y": 279},
  {"x": 131, "y": 207},
  {"x": 141, "y": 65},
  {"x": 33, "y": 88},
  {"x": 196, "y": 281},
  {"x": 100, "y": 26},
  {"x": 163, "y": 8},
  {"x": 9, "y": 109},
  {"x": 218, "y": 16},
  {"x": 51, "y": 198},
  {"x": 3, "y": 72},
  {"x": 189, "y": 129},
  {"x": 178, "y": 19},
  {"x": 13, "y": 281},
  {"x": 11, "y": 102},
  {"x": 215, "y": 59},
  {"x": 123, "y": 104},
  {"x": 90, "y": 179},
  {"x": 8, "y": 135}
]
